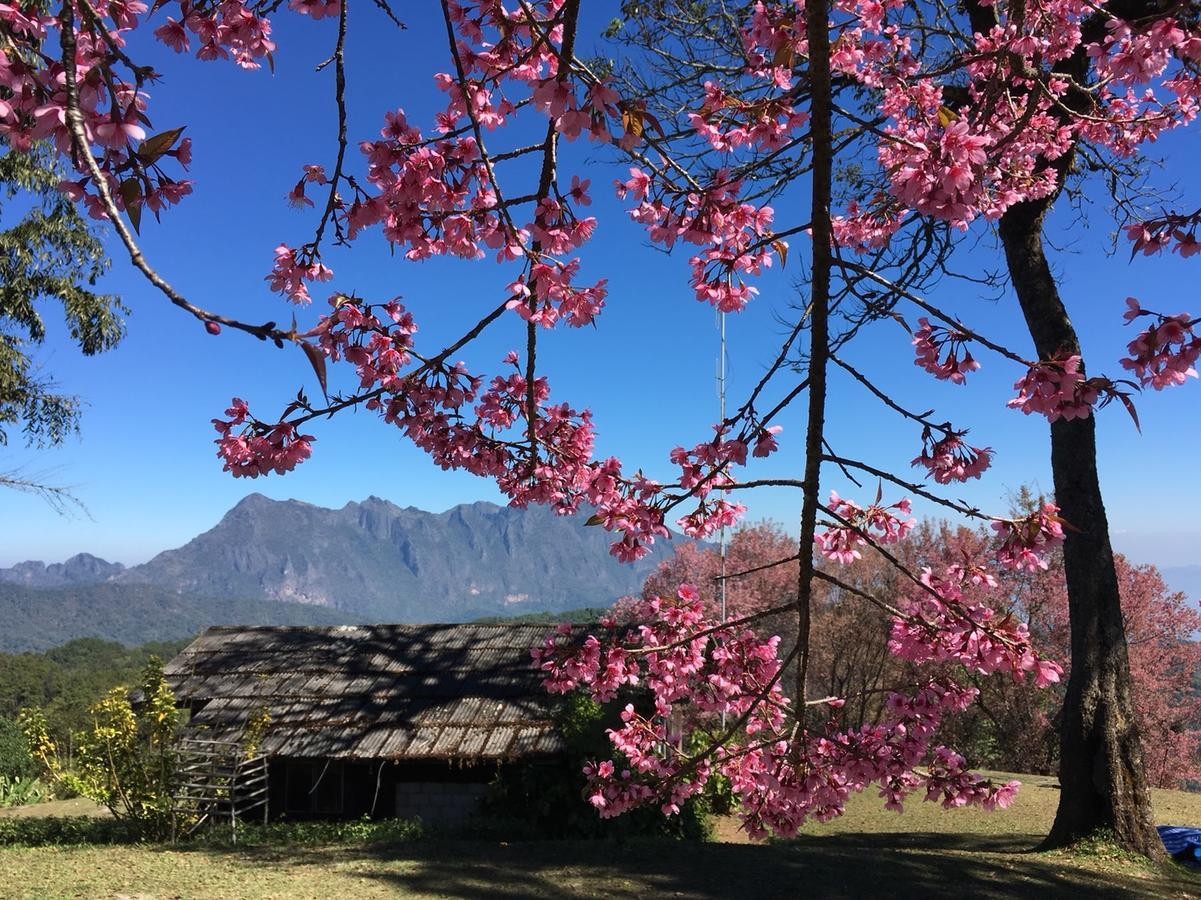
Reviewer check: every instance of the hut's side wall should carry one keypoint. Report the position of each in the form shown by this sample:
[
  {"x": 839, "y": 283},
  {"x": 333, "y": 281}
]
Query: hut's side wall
[{"x": 435, "y": 792}]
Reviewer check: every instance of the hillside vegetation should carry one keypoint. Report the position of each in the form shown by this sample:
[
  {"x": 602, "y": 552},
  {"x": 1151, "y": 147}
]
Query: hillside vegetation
[
  {"x": 64, "y": 682},
  {"x": 40, "y": 619}
]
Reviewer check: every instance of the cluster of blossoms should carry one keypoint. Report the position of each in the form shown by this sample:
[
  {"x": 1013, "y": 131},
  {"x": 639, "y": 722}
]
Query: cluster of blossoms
[
  {"x": 258, "y": 449},
  {"x": 980, "y": 153},
  {"x": 435, "y": 196},
  {"x": 228, "y": 30},
  {"x": 841, "y": 541},
  {"x": 736, "y": 236},
  {"x": 34, "y": 97},
  {"x": 1129, "y": 60},
  {"x": 691, "y": 671},
  {"x": 783, "y": 783},
  {"x": 705, "y": 468},
  {"x": 728, "y": 122},
  {"x": 1166, "y": 352},
  {"x": 1057, "y": 389},
  {"x": 949, "y": 458},
  {"x": 499, "y": 45},
  {"x": 1026, "y": 542},
  {"x": 865, "y": 230},
  {"x": 943, "y": 352},
  {"x": 1174, "y": 230},
  {"x": 984, "y": 155},
  {"x": 941, "y": 626},
  {"x": 291, "y": 272},
  {"x": 944, "y": 165}
]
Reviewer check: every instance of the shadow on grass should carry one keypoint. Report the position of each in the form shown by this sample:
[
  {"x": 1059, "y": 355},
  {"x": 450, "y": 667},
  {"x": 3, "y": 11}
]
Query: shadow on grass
[{"x": 837, "y": 866}]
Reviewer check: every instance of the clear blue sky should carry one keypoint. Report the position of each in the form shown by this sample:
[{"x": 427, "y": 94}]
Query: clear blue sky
[{"x": 145, "y": 464}]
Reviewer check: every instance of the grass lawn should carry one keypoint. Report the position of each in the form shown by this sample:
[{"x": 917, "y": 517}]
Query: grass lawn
[{"x": 924, "y": 852}]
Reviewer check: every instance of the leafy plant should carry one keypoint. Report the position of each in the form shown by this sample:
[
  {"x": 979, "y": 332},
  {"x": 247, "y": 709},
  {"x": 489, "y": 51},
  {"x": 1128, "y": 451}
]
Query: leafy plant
[
  {"x": 23, "y": 791},
  {"x": 256, "y": 729},
  {"x": 283, "y": 834},
  {"x": 15, "y": 761},
  {"x": 38, "y": 831},
  {"x": 546, "y": 800},
  {"x": 126, "y": 759}
]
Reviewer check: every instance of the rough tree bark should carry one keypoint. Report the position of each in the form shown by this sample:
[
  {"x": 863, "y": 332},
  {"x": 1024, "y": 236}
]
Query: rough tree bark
[{"x": 1101, "y": 765}]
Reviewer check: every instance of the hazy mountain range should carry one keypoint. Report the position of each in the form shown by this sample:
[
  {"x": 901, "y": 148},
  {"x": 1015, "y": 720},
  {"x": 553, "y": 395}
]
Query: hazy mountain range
[
  {"x": 288, "y": 562},
  {"x": 292, "y": 562},
  {"x": 1184, "y": 578}
]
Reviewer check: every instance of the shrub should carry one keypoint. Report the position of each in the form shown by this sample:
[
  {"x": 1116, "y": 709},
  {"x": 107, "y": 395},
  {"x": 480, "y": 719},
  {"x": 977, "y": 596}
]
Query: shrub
[
  {"x": 546, "y": 800},
  {"x": 23, "y": 791},
  {"x": 51, "y": 831},
  {"x": 15, "y": 761},
  {"x": 35, "y": 831},
  {"x": 284, "y": 834},
  {"x": 126, "y": 759}
]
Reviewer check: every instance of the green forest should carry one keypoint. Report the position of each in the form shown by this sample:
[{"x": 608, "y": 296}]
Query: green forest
[{"x": 65, "y": 682}]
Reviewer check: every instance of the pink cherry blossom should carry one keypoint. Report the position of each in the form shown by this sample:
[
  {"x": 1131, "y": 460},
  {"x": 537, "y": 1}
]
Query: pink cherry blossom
[
  {"x": 1025, "y": 542},
  {"x": 1166, "y": 352}
]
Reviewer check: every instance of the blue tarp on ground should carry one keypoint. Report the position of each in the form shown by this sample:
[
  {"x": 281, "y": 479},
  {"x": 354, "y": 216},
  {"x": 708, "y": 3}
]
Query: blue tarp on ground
[{"x": 1184, "y": 844}]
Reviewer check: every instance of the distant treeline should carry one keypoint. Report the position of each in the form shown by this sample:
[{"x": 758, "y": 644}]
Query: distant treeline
[
  {"x": 585, "y": 615},
  {"x": 65, "y": 682}
]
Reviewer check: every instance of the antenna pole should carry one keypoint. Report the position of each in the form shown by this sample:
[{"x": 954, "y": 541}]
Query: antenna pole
[
  {"x": 721, "y": 539},
  {"x": 721, "y": 393}
]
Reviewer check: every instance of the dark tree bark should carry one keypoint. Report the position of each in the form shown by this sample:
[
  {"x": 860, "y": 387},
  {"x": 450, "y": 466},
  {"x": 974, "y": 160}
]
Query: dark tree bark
[{"x": 1101, "y": 766}]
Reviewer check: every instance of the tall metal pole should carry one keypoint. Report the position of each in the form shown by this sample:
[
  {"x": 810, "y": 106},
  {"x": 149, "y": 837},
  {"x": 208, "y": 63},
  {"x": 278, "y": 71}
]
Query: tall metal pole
[
  {"x": 721, "y": 393},
  {"x": 721, "y": 539}
]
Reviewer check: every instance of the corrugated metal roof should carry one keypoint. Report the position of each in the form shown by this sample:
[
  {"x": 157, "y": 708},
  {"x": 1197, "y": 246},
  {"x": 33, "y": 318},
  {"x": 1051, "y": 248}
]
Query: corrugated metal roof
[{"x": 399, "y": 692}]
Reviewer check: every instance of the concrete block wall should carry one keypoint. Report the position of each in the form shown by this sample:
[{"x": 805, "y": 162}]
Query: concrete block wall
[{"x": 438, "y": 802}]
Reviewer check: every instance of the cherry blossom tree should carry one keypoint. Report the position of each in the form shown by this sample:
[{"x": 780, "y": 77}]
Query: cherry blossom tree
[
  {"x": 1013, "y": 726},
  {"x": 1164, "y": 656},
  {"x": 1091, "y": 84},
  {"x": 732, "y": 158},
  {"x": 751, "y": 545}
]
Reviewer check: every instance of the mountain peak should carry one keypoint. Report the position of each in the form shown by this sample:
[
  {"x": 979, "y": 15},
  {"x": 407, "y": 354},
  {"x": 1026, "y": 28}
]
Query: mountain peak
[
  {"x": 380, "y": 562},
  {"x": 82, "y": 568},
  {"x": 253, "y": 500},
  {"x": 374, "y": 501}
]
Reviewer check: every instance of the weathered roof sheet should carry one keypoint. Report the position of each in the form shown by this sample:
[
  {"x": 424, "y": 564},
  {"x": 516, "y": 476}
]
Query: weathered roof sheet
[{"x": 398, "y": 692}]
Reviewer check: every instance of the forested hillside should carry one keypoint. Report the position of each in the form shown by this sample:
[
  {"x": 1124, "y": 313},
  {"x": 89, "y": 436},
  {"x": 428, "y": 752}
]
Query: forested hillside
[{"x": 64, "y": 682}]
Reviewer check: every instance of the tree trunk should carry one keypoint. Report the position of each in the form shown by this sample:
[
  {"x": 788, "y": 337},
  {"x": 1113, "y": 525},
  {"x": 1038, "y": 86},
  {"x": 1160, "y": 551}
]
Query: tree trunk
[{"x": 1101, "y": 774}]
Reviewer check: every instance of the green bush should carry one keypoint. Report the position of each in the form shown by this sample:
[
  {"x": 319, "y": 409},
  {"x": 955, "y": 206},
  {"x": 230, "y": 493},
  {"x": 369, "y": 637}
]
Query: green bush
[
  {"x": 15, "y": 761},
  {"x": 52, "y": 831},
  {"x": 23, "y": 791},
  {"x": 125, "y": 760},
  {"x": 33, "y": 831},
  {"x": 546, "y": 800},
  {"x": 284, "y": 834}
]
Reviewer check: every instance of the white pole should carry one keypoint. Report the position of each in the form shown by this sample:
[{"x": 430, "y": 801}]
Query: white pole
[
  {"x": 721, "y": 539},
  {"x": 721, "y": 392}
]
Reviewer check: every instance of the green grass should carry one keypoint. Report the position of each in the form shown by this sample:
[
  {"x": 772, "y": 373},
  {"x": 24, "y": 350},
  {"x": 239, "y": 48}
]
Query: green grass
[{"x": 924, "y": 852}]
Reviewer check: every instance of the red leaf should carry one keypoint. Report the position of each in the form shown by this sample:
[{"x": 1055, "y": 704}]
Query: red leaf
[
  {"x": 1129, "y": 404},
  {"x": 317, "y": 359}
]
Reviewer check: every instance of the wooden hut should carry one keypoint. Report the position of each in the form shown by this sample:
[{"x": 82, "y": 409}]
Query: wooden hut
[{"x": 380, "y": 720}]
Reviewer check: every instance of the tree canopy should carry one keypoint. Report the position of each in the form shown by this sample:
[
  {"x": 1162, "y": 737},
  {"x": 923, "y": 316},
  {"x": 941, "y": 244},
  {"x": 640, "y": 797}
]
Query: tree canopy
[{"x": 861, "y": 137}]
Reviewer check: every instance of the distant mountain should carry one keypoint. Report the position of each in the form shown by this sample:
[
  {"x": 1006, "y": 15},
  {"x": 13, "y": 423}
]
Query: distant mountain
[
  {"x": 383, "y": 562},
  {"x": 38, "y": 619},
  {"x": 372, "y": 561},
  {"x": 1183, "y": 578},
  {"x": 83, "y": 568}
]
